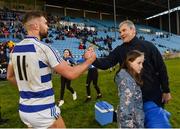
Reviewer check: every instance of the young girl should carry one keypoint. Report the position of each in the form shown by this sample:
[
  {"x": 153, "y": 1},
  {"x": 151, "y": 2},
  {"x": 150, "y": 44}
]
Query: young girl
[
  {"x": 64, "y": 81},
  {"x": 130, "y": 111}
]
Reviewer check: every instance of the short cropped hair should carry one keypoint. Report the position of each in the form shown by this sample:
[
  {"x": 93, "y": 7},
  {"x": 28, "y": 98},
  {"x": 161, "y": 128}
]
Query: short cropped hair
[
  {"x": 31, "y": 15},
  {"x": 128, "y": 23}
]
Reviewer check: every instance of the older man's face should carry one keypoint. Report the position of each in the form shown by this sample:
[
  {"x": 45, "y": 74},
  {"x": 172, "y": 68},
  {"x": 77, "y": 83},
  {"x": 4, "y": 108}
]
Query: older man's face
[{"x": 127, "y": 33}]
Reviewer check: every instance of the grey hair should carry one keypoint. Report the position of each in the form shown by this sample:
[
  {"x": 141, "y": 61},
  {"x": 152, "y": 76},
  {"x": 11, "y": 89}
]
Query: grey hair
[{"x": 129, "y": 23}]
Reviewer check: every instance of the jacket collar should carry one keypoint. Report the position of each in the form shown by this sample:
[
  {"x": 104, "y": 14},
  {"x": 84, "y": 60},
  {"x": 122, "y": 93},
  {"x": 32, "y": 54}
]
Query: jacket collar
[{"x": 130, "y": 43}]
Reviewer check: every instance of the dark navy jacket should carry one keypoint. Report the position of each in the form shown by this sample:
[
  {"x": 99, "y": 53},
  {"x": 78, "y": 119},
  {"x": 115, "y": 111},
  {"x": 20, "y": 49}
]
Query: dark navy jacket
[{"x": 154, "y": 70}]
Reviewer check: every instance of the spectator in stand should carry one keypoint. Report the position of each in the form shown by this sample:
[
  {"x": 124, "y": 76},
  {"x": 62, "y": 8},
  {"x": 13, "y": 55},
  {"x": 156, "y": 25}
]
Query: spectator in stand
[
  {"x": 82, "y": 46},
  {"x": 3, "y": 56}
]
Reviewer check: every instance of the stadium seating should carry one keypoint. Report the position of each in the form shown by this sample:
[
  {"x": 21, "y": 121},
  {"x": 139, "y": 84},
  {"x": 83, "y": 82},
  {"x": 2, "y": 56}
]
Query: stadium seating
[{"x": 104, "y": 29}]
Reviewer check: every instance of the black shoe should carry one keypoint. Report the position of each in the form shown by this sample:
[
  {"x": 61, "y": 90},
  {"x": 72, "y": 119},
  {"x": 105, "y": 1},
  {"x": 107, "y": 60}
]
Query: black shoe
[
  {"x": 99, "y": 96},
  {"x": 87, "y": 100}
]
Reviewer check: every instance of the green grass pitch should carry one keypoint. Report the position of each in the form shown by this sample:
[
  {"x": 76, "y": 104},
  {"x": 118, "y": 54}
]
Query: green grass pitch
[{"x": 78, "y": 114}]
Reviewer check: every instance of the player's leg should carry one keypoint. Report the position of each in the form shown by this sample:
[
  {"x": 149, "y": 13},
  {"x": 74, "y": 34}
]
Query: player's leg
[{"x": 59, "y": 123}]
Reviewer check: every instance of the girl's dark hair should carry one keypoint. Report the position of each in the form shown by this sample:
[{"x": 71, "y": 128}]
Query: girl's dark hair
[
  {"x": 130, "y": 57},
  {"x": 70, "y": 54}
]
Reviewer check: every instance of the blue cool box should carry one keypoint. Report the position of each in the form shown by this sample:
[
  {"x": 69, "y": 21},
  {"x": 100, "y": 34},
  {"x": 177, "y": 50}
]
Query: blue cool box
[{"x": 103, "y": 112}]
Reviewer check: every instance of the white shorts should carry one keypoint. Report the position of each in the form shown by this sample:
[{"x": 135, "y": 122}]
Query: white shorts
[{"x": 41, "y": 119}]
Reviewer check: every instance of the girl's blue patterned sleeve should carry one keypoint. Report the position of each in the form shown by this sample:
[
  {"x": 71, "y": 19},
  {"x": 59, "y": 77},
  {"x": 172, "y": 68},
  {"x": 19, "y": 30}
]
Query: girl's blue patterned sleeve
[{"x": 126, "y": 103}]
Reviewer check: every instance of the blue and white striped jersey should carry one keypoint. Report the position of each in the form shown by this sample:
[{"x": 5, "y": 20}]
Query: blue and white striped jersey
[{"x": 33, "y": 62}]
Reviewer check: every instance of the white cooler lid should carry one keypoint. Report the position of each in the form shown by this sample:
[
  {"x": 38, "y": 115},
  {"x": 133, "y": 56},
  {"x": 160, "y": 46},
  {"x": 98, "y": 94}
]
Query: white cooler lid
[{"x": 104, "y": 107}]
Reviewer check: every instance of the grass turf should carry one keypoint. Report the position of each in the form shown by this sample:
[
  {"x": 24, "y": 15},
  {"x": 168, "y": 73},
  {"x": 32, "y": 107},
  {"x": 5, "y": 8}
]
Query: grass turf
[{"x": 78, "y": 114}]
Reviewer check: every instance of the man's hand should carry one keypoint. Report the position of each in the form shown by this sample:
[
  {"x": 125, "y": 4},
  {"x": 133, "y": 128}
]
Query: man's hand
[{"x": 166, "y": 97}]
